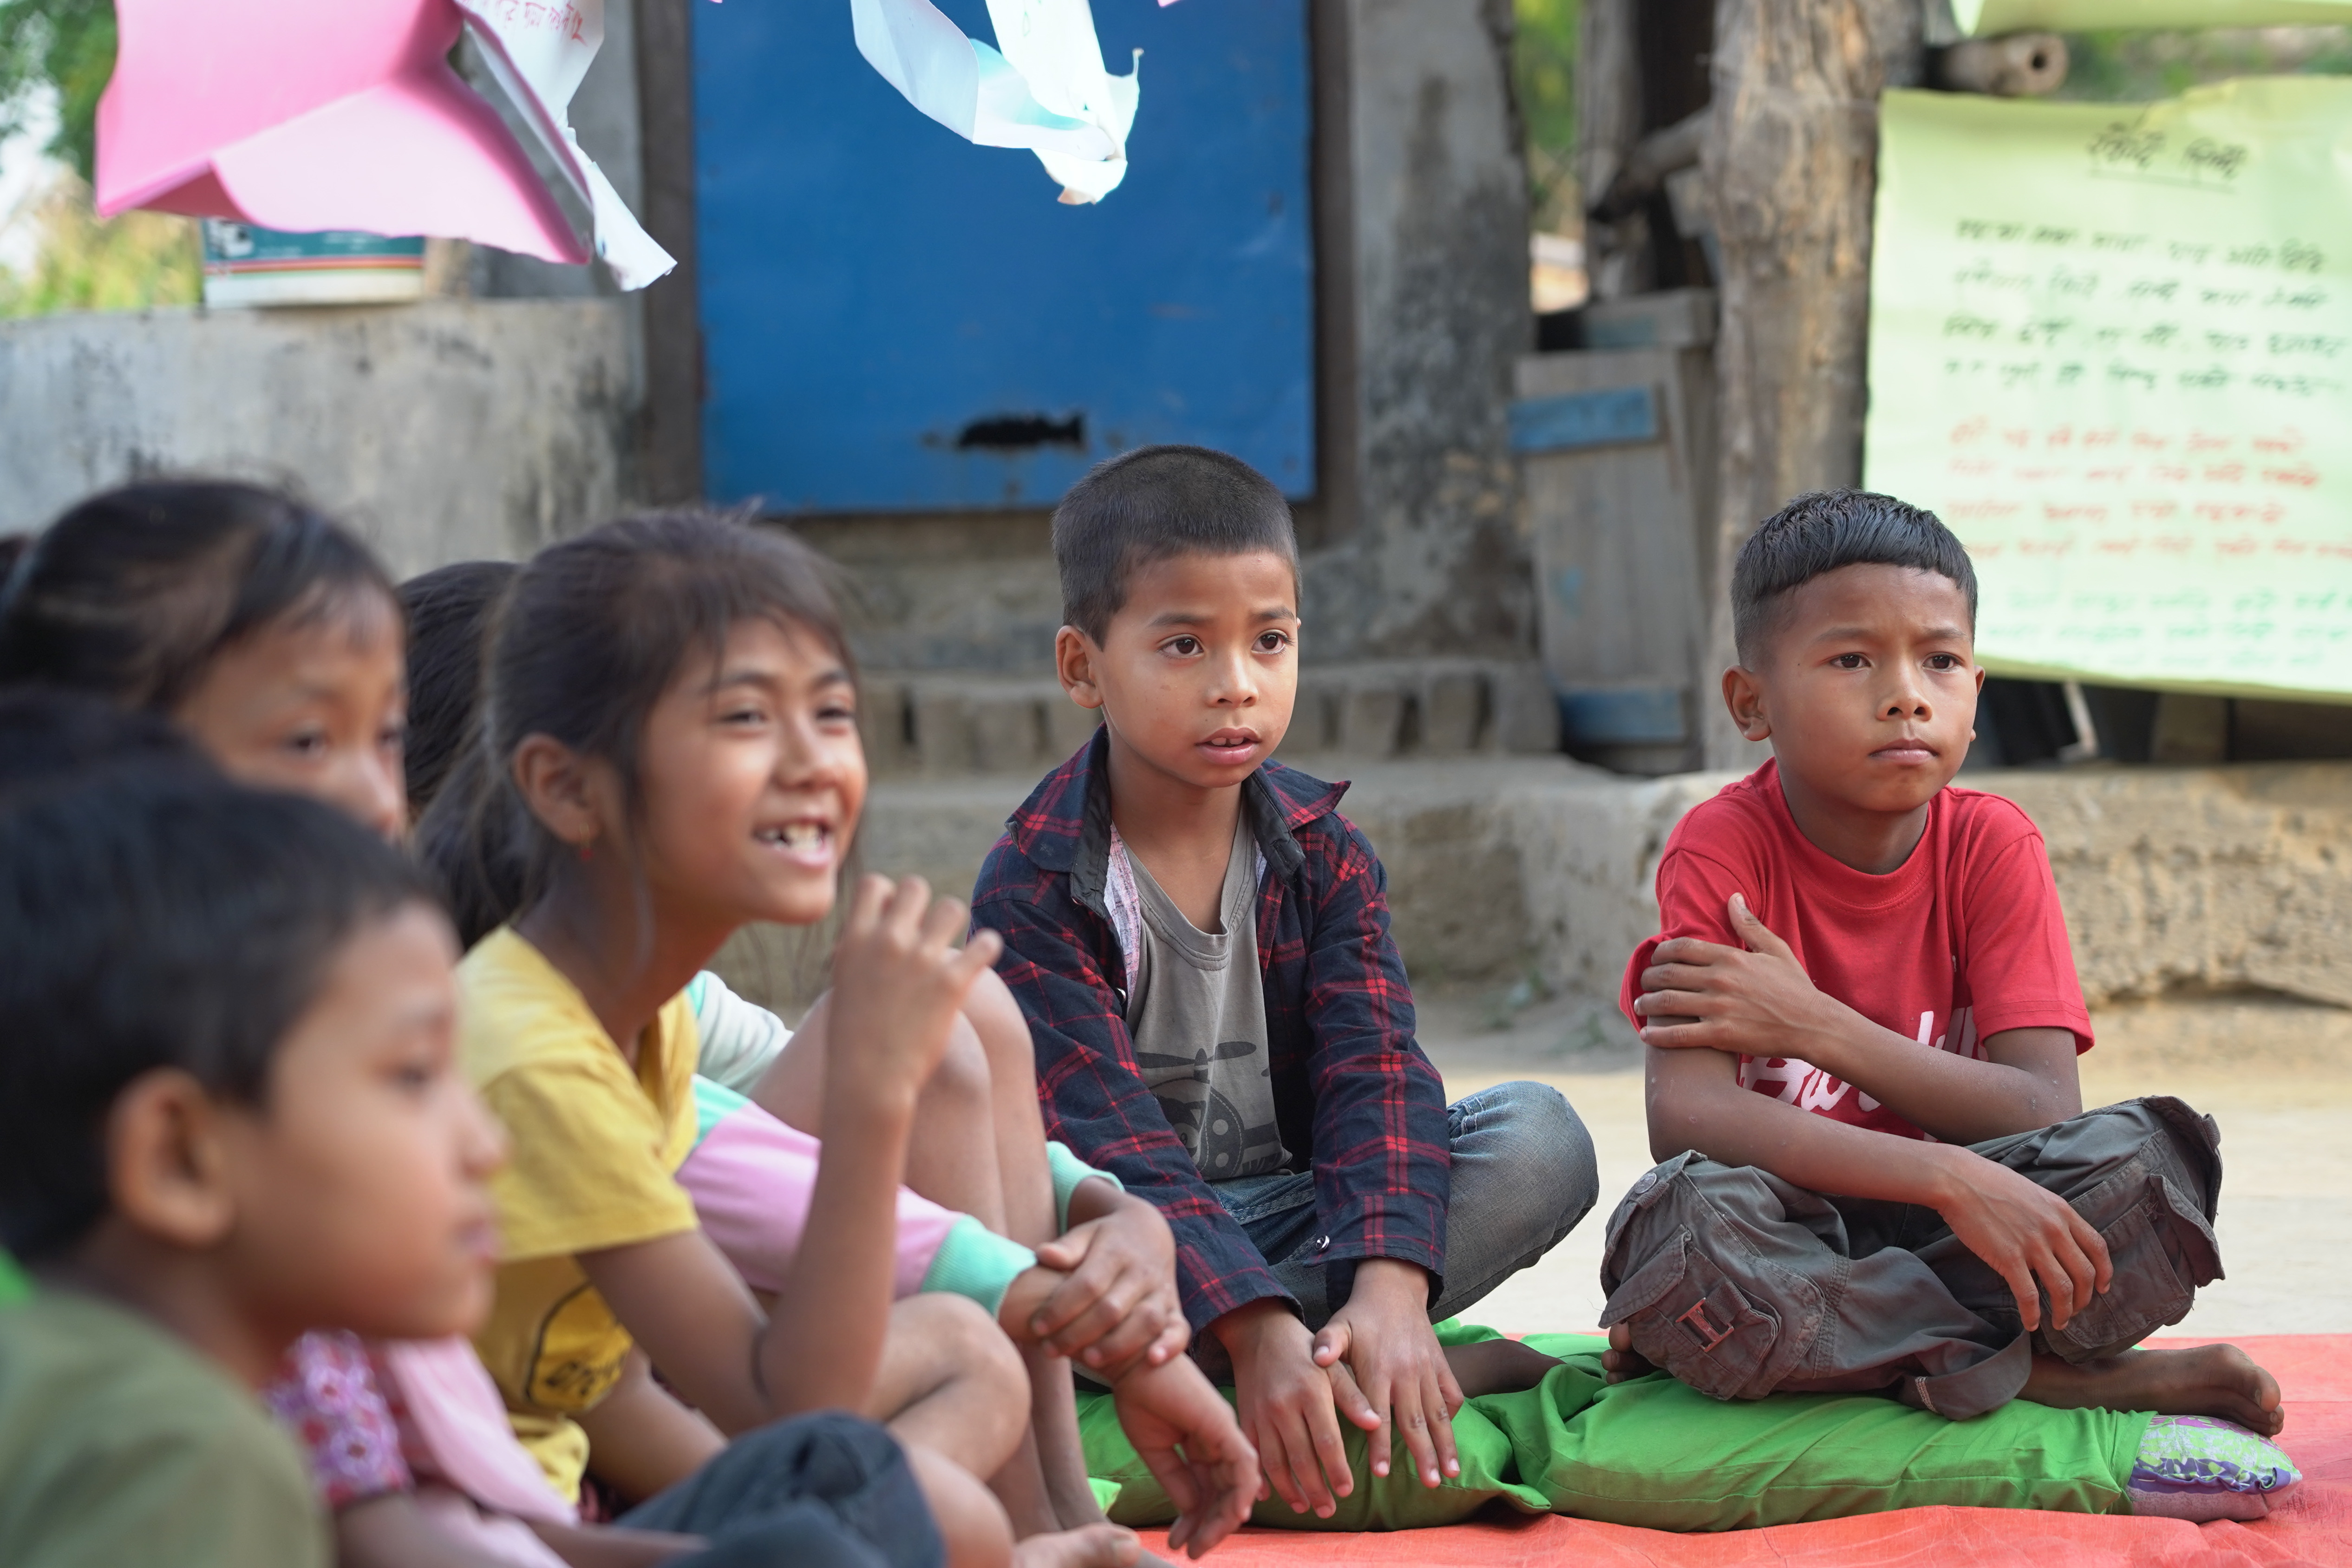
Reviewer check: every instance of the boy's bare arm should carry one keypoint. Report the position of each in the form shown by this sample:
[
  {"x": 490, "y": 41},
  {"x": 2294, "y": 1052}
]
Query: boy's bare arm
[
  {"x": 1695, "y": 1101},
  {"x": 1759, "y": 1002},
  {"x": 643, "y": 1437}
]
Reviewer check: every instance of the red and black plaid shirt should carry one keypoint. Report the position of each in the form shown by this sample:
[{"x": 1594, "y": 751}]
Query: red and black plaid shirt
[{"x": 1352, "y": 1092}]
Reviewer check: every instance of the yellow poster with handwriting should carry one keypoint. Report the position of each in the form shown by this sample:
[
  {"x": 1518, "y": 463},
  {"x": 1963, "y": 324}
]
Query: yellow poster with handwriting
[{"x": 2111, "y": 345}]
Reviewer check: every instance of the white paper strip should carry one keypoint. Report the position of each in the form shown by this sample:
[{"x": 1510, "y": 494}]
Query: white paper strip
[
  {"x": 541, "y": 50},
  {"x": 1044, "y": 86}
]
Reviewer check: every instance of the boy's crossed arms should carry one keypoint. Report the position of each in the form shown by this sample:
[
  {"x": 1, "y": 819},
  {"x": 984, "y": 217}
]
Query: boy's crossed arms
[{"x": 1703, "y": 1006}]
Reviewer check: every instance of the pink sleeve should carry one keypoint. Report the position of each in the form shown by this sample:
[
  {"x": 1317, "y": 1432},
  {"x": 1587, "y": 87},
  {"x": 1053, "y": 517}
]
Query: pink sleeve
[
  {"x": 326, "y": 1395},
  {"x": 453, "y": 1428},
  {"x": 2019, "y": 964},
  {"x": 751, "y": 1177}
]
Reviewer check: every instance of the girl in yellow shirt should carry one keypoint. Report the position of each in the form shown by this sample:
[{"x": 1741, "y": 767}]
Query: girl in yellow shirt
[{"x": 670, "y": 752}]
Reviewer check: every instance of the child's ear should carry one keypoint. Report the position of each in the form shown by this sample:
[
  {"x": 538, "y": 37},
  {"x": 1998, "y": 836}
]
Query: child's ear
[
  {"x": 1074, "y": 661},
  {"x": 1744, "y": 695},
  {"x": 560, "y": 789},
  {"x": 167, "y": 1165}
]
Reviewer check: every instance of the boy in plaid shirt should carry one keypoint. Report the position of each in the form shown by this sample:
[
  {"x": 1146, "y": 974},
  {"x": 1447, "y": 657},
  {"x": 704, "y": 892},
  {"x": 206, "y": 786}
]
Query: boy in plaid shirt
[{"x": 1201, "y": 944}]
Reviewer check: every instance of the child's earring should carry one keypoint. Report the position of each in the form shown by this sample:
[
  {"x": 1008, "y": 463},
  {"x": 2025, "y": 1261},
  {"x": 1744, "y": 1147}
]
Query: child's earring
[{"x": 587, "y": 850}]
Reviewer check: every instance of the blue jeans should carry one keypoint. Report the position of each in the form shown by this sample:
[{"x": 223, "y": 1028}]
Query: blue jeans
[{"x": 1523, "y": 1176}]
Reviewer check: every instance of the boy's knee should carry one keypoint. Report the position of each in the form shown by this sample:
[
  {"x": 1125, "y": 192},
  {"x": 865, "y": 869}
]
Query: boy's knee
[
  {"x": 961, "y": 1334},
  {"x": 1000, "y": 1029},
  {"x": 963, "y": 1074},
  {"x": 1534, "y": 1140}
]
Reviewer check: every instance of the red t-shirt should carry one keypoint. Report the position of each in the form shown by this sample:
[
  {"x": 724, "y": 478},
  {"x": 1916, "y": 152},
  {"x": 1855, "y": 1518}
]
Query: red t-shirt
[{"x": 1963, "y": 941}]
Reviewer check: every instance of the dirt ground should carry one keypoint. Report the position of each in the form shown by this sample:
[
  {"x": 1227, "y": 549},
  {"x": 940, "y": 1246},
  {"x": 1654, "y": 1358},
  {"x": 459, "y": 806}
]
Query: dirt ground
[{"x": 2276, "y": 1077}]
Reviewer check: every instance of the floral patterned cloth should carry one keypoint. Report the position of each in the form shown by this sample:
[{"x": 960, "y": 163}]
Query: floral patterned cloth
[
  {"x": 327, "y": 1396},
  {"x": 2195, "y": 1466}
]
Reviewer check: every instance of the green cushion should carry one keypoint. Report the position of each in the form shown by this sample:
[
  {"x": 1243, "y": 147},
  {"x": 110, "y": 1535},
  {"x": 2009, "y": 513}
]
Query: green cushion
[{"x": 1653, "y": 1453}]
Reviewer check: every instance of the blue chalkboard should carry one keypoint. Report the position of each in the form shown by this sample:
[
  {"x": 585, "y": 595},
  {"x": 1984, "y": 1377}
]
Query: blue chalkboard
[{"x": 896, "y": 319}]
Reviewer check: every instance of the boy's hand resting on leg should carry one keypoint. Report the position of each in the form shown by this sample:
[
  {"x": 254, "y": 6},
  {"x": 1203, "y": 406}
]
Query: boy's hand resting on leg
[
  {"x": 1286, "y": 1407},
  {"x": 2023, "y": 1232},
  {"x": 1119, "y": 1303},
  {"x": 1385, "y": 1362},
  {"x": 1185, "y": 1434}
]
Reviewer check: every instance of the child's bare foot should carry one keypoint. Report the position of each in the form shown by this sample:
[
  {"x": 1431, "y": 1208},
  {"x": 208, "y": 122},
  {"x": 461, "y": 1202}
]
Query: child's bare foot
[
  {"x": 1621, "y": 1362},
  {"x": 1090, "y": 1546},
  {"x": 2207, "y": 1380},
  {"x": 1497, "y": 1366}
]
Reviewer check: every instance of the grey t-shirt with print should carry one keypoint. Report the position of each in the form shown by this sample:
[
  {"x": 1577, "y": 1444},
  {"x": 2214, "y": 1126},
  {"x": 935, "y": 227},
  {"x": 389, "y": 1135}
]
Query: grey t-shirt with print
[{"x": 1196, "y": 1012}]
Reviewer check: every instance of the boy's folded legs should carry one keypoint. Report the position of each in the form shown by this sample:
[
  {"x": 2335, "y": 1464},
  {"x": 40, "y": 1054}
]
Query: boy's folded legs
[
  {"x": 1743, "y": 1285},
  {"x": 1523, "y": 1175}
]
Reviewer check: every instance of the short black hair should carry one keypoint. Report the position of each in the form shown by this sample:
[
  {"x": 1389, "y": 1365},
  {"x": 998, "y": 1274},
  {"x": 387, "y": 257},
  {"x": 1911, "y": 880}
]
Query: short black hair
[
  {"x": 50, "y": 738},
  {"x": 155, "y": 922},
  {"x": 1823, "y": 530},
  {"x": 450, "y": 611},
  {"x": 135, "y": 591},
  {"x": 1154, "y": 503}
]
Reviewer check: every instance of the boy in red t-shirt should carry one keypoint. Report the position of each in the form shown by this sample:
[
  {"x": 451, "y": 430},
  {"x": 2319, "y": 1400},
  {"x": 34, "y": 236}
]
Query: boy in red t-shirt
[{"x": 1862, "y": 1019}]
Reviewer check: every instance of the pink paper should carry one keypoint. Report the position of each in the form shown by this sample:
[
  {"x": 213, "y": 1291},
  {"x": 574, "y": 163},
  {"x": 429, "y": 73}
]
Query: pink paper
[{"x": 298, "y": 115}]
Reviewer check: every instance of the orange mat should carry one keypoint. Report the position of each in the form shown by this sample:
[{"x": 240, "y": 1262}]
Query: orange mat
[{"x": 2312, "y": 1526}]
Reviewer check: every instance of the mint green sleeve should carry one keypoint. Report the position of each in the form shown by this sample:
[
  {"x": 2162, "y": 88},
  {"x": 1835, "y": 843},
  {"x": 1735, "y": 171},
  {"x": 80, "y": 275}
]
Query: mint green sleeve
[
  {"x": 1069, "y": 1171},
  {"x": 977, "y": 1264},
  {"x": 738, "y": 1040}
]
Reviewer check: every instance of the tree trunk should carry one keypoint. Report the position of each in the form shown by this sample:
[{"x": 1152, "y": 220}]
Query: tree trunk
[{"x": 1790, "y": 163}]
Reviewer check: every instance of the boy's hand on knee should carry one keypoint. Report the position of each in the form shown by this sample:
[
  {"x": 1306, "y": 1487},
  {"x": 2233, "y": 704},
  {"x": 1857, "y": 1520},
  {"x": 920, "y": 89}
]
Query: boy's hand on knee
[
  {"x": 1119, "y": 1303},
  {"x": 1386, "y": 1365},
  {"x": 2025, "y": 1233},
  {"x": 1187, "y": 1436},
  {"x": 1284, "y": 1402},
  {"x": 1756, "y": 1002}
]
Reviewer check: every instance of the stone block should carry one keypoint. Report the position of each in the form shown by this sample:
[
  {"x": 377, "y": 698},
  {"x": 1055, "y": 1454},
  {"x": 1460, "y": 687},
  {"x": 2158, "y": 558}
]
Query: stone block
[
  {"x": 1007, "y": 731},
  {"x": 1067, "y": 726},
  {"x": 1452, "y": 708},
  {"x": 1371, "y": 718},
  {"x": 1526, "y": 714},
  {"x": 1314, "y": 713},
  {"x": 943, "y": 729},
  {"x": 882, "y": 727}
]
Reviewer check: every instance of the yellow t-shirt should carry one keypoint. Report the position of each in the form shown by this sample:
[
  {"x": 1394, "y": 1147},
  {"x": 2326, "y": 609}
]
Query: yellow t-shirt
[{"x": 596, "y": 1148}]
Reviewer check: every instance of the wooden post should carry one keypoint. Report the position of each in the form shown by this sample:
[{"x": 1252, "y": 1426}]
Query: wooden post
[
  {"x": 1608, "y": 124},
  {"x": 1790, "y": 163},
  {"x": 669, "y": 437}
]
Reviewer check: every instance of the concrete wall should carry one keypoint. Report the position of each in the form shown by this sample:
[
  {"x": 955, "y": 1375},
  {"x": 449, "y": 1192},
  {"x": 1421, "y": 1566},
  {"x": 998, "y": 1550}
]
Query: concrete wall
[
  {"x": 2198, "y": 883},
  {"x": 446, "y": 430},
  {"x": 1434, "y": 561},
  {"x": 2174, "y": 880},
  {"x": 461, "y": 428}
]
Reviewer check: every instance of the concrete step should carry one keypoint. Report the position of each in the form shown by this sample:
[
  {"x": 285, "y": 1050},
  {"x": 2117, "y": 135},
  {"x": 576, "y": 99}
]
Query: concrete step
[{"x": 945, "y": 725}]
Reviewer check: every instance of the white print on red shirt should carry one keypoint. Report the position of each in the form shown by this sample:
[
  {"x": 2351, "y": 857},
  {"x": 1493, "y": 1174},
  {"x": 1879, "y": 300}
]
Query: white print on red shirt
[{"x": 1808, "y": 1087}]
